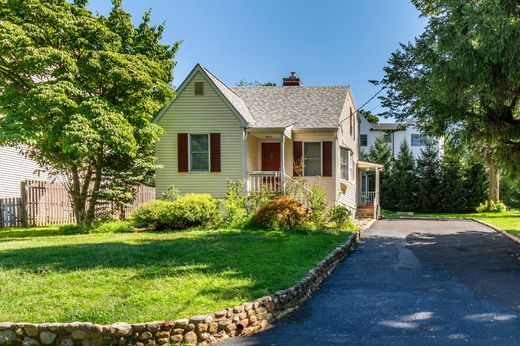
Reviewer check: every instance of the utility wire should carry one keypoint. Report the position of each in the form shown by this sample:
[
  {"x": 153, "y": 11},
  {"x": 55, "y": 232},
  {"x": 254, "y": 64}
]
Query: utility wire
[{"x": 364, "y": 104}]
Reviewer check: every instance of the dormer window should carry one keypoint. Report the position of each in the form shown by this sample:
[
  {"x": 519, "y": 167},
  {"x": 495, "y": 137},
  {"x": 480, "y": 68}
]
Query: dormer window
[{"x": 199, "y": 88}]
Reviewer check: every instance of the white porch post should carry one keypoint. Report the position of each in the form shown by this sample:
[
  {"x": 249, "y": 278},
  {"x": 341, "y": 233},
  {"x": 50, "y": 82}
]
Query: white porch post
[
  {"x": 246, "y": 168},
  {"x": 282, "y": 162},
  {"x": 376, "y": 198}
]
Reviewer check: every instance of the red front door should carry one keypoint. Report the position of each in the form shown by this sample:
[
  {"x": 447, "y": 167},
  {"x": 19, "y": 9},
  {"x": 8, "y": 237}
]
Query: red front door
[{"x": 270, "y": 157}]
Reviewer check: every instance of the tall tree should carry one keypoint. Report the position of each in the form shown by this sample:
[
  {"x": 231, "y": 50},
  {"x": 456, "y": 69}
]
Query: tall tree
[
  {"x": 404, "y": 180},
  {"x": 80, "y": 90},
  {"x": 463, "y": 75},
  {"x": 428, "y": 171}
]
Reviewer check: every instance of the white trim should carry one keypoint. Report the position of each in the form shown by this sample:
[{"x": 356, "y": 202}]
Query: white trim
[{"x": 189, "y": 153}]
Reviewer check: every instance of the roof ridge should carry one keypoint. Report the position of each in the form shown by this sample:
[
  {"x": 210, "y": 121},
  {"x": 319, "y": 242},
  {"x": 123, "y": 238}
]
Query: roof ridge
[{"x": 224, "y": 84}]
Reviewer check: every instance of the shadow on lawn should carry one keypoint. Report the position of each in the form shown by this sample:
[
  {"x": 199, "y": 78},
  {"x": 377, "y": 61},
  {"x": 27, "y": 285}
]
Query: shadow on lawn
[{"x": 268, "y": 259}]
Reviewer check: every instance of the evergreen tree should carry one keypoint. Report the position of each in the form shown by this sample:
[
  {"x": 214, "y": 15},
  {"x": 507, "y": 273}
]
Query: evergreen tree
[
  {"x": 475, "y": 183},
  {"x": 451, "y": 186},
  {"x": 404, "y": 180},
  {"x": 428, "y": 171}
]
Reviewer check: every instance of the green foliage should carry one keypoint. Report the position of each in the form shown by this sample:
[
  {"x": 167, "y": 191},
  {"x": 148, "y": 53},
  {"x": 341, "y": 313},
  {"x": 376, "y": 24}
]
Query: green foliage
[
  {"x": 340, "y": 216},
  {"x": 510, "y": 190},
  {"x": 190, "y": 210},
  {"x": 369, "y": 116},
  {"x": 492, "y": 207},
  {"x": 80, "y": 90},
  {"x": 235, "y": 213},
  {"x": 462, "y": 75},
  {"x": 113, "y": 227},
  {"x": 455, "y": 183},
  {"x": 283, "y": 213},
  {"x": 317, "y": 202},
  {"x": 403, "y": 179},
  {"x": 155, "y": 214},
  {"x": 171, "y": 194}
]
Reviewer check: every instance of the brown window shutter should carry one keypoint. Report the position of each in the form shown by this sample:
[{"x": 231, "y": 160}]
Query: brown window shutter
[
  {"x": 182, "y": 152},
  {"x": 351, "y": 121},
  {"x": 214, "y": 139},
  {"x": 327, "y": 159},
  {"x": 297, "y": 157}
]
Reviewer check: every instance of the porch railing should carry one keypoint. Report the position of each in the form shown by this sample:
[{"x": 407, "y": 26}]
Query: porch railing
[
  {"x": 264, "y": 182},
  {"x": 367, "y": 198}
]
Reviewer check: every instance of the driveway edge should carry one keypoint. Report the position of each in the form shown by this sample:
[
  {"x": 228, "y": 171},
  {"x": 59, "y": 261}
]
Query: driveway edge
[{"x": 510, "y": 236}]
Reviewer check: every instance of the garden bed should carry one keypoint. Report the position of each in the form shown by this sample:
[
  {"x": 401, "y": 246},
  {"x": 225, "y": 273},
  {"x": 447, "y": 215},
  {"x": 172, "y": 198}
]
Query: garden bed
[{"x": 102, "y": 278}]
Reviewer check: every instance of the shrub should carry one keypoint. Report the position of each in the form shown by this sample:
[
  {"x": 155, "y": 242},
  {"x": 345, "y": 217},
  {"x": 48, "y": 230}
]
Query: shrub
[
  {"x": 495, "y": 207},
  {"x": 155, "y": 214},
  {"x": 235, "y": 203},
  {"x": 340, "y": 216},
  {"x": 171, "y": 194},
  {"x": 283, "y": 212},
  {"x": 113, "y": 227},
  {"x": 190, "y": 210},
  {"x": 317, "y": 200}
]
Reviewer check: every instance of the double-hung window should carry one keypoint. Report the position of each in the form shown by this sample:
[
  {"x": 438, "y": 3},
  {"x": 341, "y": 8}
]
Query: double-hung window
[
  {"x": 199, "y": 153},
  {"x": 363, "y": 140},
  {"x": 388, "y": 137},
  {"x": 419, "y": 139},
  {"x": 311, "y": 159},
  {"x": 345, "y": 163}
]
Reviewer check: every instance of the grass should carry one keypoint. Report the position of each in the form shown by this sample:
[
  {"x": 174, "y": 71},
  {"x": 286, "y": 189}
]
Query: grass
[
  {"x": 47, "y": 275},
  {"x": 508, "y": 221}
]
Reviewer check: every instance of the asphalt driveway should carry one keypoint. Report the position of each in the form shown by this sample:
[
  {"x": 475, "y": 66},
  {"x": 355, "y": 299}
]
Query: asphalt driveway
[{"x": 413, "y": 282}]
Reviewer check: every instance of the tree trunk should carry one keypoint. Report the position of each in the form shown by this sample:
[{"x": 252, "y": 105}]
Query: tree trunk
[
  {"x": 494, "y": 179},
  {"x": 91, "y": 212}
]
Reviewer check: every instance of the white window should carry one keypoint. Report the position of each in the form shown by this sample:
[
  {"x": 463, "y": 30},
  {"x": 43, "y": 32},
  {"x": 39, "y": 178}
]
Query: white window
[
  {"x": 311, "y": 159},
  {"x": 199, "y": 153},
  {"x": 388, "y": 137},
  {"x": 345, "y": 159},
  {"x": 419, "y": 139}
]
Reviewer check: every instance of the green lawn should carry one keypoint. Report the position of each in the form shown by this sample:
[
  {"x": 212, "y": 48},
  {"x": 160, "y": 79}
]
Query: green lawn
[
  {"x": 508, "y": 221},
  {"x": 138, "y": 277}
]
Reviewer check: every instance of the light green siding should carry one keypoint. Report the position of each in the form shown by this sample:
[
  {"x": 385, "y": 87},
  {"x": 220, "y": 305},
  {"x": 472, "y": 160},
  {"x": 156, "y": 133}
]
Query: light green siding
[{"x": 199, "y": 114}]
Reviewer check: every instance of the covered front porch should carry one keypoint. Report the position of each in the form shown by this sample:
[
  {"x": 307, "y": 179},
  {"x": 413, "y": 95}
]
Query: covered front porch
[
  {"x": 267, "y": 156},
  {"x": 368, "y": 190}
]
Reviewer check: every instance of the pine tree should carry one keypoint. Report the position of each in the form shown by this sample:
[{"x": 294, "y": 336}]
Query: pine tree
[
  {"x": 404, "y": 180},
  {"x": 428, "y": 171},
  {"x": 452, "y": 189},
  {"x": 475, "y": 182}
]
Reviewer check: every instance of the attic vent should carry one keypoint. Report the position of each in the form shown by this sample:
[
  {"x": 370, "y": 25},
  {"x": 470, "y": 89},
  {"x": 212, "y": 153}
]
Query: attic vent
[{"x": 199, "y": 88}]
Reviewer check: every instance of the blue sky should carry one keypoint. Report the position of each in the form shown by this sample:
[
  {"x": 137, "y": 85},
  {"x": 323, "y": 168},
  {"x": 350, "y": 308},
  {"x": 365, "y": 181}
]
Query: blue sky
[{"x": 327, "y": 42}]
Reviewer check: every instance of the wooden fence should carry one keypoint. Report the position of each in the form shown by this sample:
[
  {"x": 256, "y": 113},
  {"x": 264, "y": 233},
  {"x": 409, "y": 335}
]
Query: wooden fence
[{"x": 45, "y": 203}]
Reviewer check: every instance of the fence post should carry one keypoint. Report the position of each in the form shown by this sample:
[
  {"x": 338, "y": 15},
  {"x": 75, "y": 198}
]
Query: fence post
[
  {"x": 23, "y": 202},
  {"x": 1, "y": 213}
]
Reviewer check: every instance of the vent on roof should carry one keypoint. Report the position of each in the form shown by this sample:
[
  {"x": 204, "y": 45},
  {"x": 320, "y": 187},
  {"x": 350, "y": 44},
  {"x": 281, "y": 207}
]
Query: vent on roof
[
  {"x": 199, "y": 88},
  {"x": 292, "y": 80}
]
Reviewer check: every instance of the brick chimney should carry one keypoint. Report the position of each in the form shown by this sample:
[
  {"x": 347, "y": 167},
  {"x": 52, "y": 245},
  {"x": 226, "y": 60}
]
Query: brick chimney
[{"x": 292, "y": 80}]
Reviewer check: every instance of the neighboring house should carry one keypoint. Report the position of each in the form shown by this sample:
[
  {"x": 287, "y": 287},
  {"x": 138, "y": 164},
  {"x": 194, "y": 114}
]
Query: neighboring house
[
  {"x": 395, "y": 134},
  {"x": 264, "y": 135},
  {"x": 15, "y": 168}
]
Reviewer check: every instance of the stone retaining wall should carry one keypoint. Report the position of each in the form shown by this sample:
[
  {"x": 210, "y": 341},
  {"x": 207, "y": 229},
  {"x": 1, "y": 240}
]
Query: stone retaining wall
[{"x": 244, "y": 319}]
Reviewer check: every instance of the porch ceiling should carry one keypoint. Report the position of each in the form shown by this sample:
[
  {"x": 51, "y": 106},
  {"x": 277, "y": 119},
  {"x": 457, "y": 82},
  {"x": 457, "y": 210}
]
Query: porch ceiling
[{"x": 370, "y": 165}]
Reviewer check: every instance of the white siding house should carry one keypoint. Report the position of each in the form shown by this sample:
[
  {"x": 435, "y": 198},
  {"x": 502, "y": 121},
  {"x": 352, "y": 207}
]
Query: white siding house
[
  {"x": 395, "y": 134},
  {"x": 264, "y": 135},
  {"x": 15, "y": 168}
]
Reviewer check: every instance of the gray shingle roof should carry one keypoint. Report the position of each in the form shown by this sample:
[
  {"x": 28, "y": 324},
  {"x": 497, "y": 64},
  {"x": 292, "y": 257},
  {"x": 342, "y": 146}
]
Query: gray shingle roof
[
  {"x": 232, "y": 97},
  {"x": 388, "y": 127},
  {"x": 301, "y": 106}
]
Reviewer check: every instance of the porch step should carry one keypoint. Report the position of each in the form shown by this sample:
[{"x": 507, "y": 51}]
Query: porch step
[{"x": 365, "y": 212}]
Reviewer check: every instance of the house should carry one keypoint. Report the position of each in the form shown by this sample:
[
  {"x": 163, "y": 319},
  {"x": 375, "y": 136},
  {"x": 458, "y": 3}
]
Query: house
[
  {"x": 15, "y": 168},
  {"x": 264, "y": 135},
  {"x": 395, "y": 134}
]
